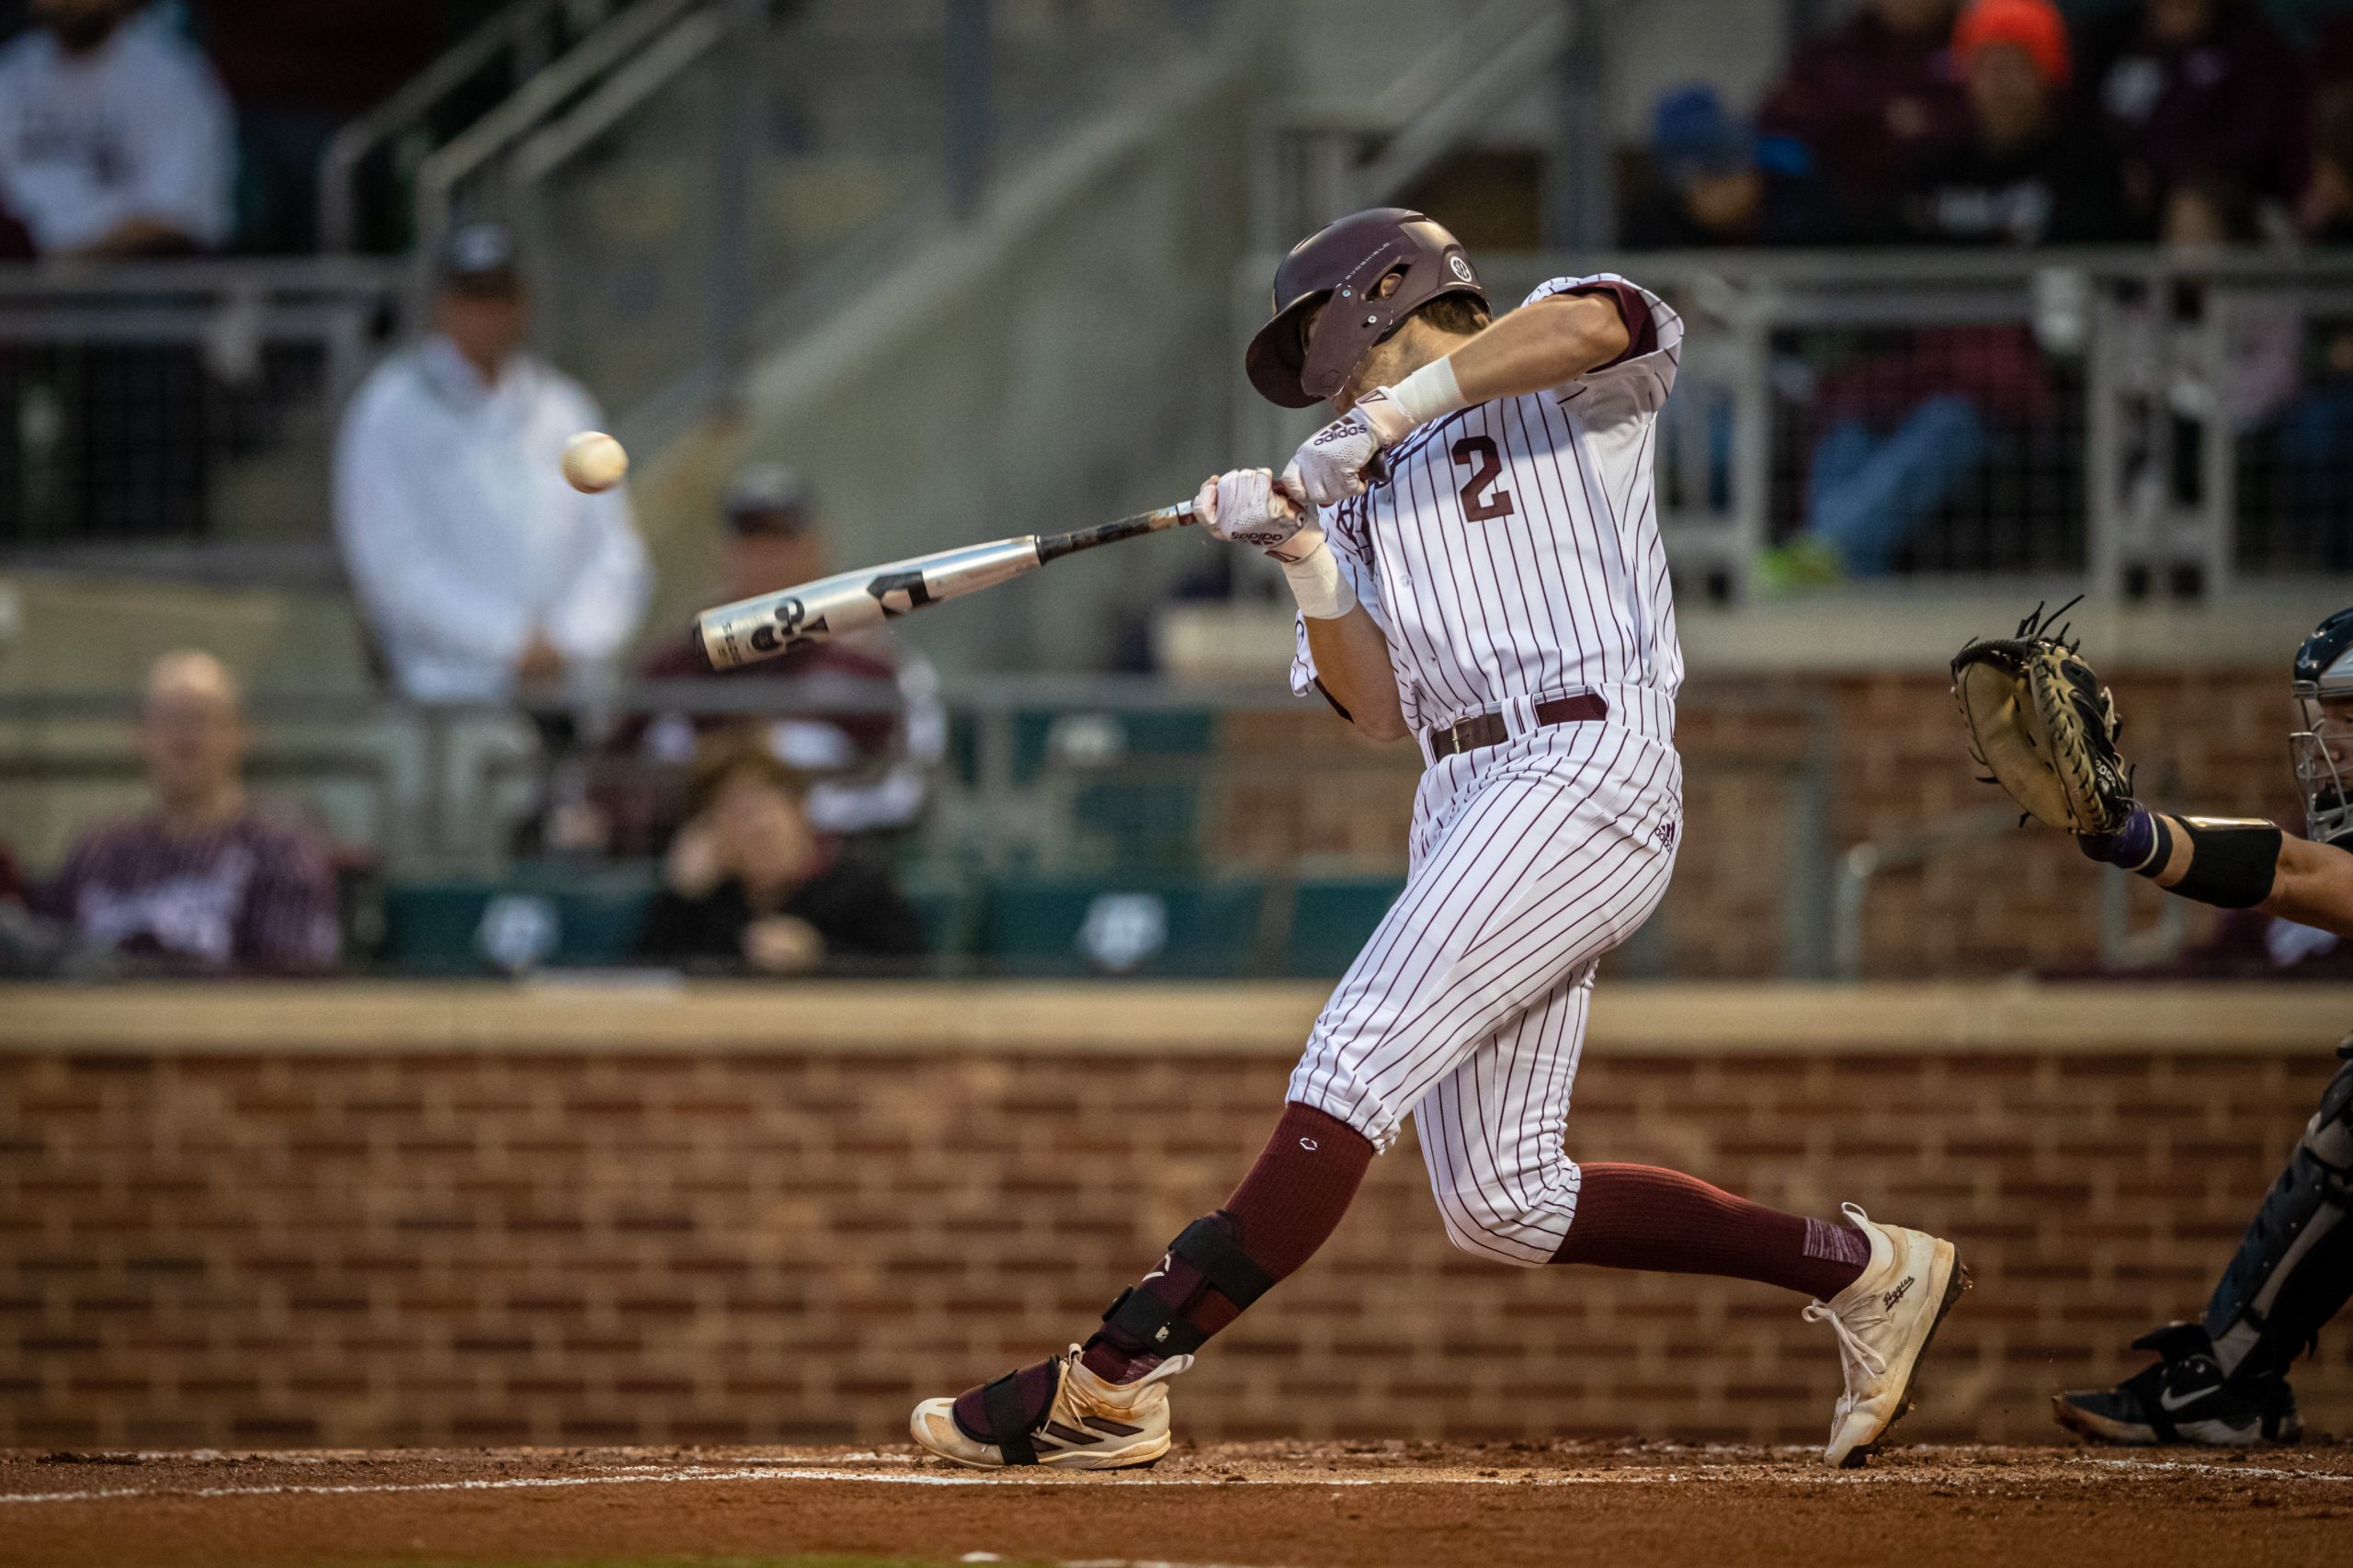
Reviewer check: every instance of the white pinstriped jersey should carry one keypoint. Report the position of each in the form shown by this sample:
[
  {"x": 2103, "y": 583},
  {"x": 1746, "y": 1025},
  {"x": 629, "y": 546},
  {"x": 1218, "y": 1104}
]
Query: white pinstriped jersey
[{"x": 1513, "y": 550}]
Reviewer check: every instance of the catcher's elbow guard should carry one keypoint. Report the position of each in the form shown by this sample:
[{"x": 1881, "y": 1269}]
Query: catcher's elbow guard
[{"x": 2231, "y": 861}]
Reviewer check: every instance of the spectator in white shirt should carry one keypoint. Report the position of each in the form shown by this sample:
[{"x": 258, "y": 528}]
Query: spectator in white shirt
[
  {"x": 116, "y": 138},
  {"x": 479, "y": 569}
]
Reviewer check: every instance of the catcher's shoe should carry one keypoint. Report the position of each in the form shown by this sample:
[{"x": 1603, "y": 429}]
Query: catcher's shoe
[
  {"x": 2183, "y": 1398},
  {"x": 1884, "y": 1320},
  {"x": 1088, "y": 1424}
]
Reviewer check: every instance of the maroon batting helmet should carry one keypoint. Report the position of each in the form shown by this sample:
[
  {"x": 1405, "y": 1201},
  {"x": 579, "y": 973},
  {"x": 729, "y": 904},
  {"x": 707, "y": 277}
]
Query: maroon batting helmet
[{"x": 1344, "y": 262}]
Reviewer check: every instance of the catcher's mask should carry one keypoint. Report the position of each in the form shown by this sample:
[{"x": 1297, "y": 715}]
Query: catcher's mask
[
  {"x": 1345, "y": 263},
  {"x": 2324, "y": 676}
]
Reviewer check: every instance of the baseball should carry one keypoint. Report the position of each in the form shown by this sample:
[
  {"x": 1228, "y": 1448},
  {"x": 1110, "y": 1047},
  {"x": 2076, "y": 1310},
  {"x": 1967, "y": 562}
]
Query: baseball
[{"x": 594, "y": 462}]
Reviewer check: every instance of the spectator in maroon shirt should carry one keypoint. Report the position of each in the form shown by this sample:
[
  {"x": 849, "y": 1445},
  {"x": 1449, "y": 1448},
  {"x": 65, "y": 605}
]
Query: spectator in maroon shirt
[
  {"x": 206, "y": 882},
  {"x": 2197, "y": 92},
  {"x": 869, "y": 765},
  {"x": 1866, "y": 99}
]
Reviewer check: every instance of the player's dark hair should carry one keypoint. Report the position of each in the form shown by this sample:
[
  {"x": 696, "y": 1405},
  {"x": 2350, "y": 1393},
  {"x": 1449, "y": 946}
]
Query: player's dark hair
[{"x": 1457, "y": 313}]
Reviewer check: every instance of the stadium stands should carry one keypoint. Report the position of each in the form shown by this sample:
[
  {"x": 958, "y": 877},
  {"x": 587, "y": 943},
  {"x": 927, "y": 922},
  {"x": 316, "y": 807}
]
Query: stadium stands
[{"x": 763, "y": 231}]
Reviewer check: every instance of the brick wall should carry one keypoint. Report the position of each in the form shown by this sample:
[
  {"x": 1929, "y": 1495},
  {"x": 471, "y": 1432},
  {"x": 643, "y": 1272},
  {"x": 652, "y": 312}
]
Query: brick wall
[
  {"x": 2213, "y": 741},
  {"x": 298, "y": 1245}
]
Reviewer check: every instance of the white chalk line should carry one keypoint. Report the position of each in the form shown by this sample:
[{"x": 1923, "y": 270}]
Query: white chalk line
[
  {"x": 1102, "y": 1562},
  {"x": 772, "y": 1470},
  {"x": 2201, "y": 1467}
]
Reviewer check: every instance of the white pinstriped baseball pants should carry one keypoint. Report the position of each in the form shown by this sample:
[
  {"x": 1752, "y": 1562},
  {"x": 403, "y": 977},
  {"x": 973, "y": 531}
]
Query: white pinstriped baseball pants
[{"x": 1467, "y": 1008}]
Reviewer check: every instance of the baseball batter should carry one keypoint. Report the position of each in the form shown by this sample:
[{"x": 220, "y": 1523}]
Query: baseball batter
[{"x": 1473, "y": 543}]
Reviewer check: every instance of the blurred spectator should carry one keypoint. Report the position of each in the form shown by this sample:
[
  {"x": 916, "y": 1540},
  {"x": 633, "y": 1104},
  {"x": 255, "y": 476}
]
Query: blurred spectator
[
  {"x": 114, "y": 134},
  {"x": 2327, "y": 217},
  {"x": 750, "y": 884},
  {"x": 1868, "y": 97},
  {"x": 207, "y": 882},
  {"x": 2306, "y": 487},
  {"x": 1712, "y": 187},
  {"x": 2203, "y": 91},
  {"x": 1900, "y": 432},
  {"x": 297, "y": 69},
  {"x": 869, "y": 766},
  {"x": 12, "y": 880},
  {"x": 479, "y": 569},
  {"x": 2019, "y": 175}
]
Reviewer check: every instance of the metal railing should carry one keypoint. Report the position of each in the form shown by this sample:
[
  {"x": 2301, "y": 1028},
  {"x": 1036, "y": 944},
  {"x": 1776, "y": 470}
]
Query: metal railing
[
  {"x": 697, "y": 176},
  {"x": 178, "y": 403},
  {"x": 1372, "y": 150},
  {"x": 1116, "y": 780},
  {"x": 2121, "y": 945},
  {"x": 2136, "y": 421},
  {"x": 620, "y": 41},
  {"x": 400, "y": 133},
  {"x": 1120, "y": 781}
]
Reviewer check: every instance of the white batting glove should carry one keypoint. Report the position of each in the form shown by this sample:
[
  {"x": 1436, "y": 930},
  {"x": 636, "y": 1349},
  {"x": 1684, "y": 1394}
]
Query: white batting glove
[
  {"x": 1246, "y": 507},
  {"x": 1334, "y": 464}
]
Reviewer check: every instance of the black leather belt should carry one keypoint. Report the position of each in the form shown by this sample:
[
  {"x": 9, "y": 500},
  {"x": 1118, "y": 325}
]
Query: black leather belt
[{"x": 1489, "y": 729}]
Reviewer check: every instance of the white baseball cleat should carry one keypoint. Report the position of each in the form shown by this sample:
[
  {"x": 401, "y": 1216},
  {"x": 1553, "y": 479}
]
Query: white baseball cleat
[
  {"x": 1884, "y": 1321},
  {"x": 1088, "y": 1425}
]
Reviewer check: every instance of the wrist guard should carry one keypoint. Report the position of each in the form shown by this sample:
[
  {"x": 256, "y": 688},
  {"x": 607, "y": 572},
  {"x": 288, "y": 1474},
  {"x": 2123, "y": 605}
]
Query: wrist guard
[{"x": 1324, "y": 592}]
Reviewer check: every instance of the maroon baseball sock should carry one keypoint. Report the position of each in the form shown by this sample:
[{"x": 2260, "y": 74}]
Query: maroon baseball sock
[
  {"x": 1285, "y": 1208},
  {"x": 1664, "y": 1221}
]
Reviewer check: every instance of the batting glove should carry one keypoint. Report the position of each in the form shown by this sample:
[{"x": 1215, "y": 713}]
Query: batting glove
[
  {"x": 1246, "y": 507},
  {"x": 1335, "y": 462}
]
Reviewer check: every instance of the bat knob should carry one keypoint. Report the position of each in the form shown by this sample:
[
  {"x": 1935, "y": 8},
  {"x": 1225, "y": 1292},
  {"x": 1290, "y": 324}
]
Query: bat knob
[{"x": 701, "y": 650}]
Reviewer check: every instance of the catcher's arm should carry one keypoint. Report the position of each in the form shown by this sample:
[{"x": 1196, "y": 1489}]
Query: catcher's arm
[
  {"x": 2044, "y": 729},
  {"x": 2231, "y": 862},
  {"x": 2313, "y": 886}
]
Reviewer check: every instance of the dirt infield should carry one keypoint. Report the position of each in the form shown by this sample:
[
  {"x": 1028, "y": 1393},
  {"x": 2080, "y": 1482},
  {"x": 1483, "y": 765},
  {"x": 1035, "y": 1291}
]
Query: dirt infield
[{"x": 1264, "y": 1505}]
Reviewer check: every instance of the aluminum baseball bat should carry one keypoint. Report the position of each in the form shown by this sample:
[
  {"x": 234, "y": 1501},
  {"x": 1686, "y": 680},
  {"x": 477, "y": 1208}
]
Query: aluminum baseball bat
[{"x": 764, "y": 627}]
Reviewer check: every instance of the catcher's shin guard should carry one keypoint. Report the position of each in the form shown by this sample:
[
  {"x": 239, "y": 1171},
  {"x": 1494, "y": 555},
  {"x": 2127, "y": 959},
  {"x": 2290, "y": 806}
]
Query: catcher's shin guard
[{"x": 2294, "y": 1268}]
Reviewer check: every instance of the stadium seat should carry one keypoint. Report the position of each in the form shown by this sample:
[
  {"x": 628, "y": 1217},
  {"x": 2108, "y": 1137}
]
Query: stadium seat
[
  {"x": 947, "y": 905},
  {"x": 539, "y": 914},
  {"x": 1330, "y": 920},
  {"x": 1072, "y": 926}
]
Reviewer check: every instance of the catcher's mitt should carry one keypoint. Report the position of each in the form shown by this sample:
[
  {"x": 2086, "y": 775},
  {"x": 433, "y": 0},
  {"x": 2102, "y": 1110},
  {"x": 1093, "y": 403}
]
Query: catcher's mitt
[{"x": 2043, "y": 726}]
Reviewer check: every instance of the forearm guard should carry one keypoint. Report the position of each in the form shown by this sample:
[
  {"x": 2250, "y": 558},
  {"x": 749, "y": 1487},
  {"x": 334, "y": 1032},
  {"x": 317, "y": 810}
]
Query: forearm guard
[{"x": 2232, "y": 862}]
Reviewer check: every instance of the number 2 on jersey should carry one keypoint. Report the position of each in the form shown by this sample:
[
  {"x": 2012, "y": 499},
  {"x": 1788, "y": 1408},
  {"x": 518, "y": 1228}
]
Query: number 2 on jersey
[{"x": 1481, "y": 499}]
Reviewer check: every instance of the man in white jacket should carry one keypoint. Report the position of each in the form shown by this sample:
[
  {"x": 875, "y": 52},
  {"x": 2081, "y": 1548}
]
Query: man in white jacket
[{"x": 481, "y": 571}]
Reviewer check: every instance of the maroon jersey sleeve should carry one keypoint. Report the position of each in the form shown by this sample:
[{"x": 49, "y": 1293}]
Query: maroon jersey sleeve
[
  {"x": 1642, "y": 332},
  {"x": 287, "y": 925}
]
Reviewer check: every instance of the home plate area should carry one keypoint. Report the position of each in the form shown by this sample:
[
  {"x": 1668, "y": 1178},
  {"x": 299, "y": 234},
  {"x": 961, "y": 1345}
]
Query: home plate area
[{"x": 1237, "y": 1506}]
